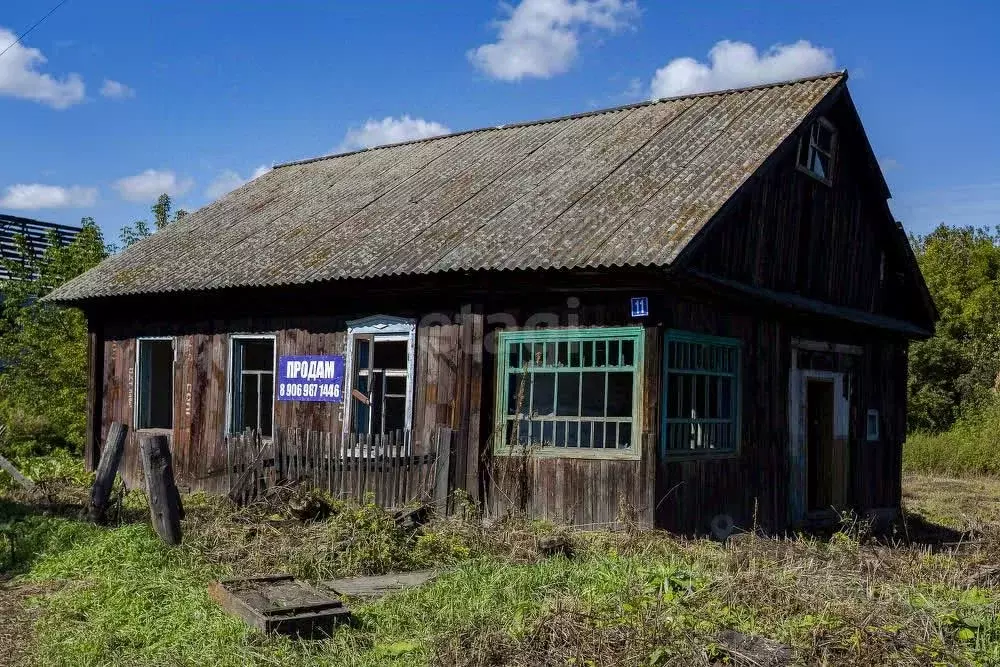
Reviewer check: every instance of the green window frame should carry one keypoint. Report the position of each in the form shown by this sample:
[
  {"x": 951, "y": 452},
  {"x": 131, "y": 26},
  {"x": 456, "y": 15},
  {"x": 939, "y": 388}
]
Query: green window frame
[
  {"x": 701, "y": 394},
  {"x": 571, "y": 391}
]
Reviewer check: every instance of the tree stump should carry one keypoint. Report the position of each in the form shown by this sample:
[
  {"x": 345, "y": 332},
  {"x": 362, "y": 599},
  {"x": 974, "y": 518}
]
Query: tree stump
[
  {"x": 107, "y": 469},
  {"x": 165, "y": 507}
]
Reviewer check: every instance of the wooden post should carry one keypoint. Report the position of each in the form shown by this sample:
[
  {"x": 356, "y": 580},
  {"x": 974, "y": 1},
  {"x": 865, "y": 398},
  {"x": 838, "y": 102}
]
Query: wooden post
[
  {"x": 95, "y": 389},
  {"x": 164, "y": 500},
  {"x": 442, "y": 469},
  {"x": 107, "y": 469}
]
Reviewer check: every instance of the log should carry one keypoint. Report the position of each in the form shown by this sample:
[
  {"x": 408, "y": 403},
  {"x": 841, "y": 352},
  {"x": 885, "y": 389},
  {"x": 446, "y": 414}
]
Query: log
[
  {"x": 12, "y": 470},
  {"x": 165, "y": 507},
  {"x": 107, "y": 469}
]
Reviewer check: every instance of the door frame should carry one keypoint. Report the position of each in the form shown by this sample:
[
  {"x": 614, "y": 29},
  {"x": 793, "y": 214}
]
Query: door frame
[{"x": 798, "y": 429}]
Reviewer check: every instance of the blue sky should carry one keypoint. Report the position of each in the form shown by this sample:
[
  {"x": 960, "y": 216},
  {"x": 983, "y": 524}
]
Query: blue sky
[{"x": 107, "y": 103}]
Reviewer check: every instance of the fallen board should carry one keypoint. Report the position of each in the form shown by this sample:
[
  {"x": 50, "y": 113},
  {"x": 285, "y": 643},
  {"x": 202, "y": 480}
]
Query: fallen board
[
  {"x": 280, "y": 604},
  {"x": 373, "y": 587}
]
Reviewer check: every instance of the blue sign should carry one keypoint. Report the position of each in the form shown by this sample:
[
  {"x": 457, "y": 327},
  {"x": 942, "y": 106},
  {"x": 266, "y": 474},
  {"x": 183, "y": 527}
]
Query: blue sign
[
  {"x": 311, "y": 378},
  {"x": 640, "y": 306}
]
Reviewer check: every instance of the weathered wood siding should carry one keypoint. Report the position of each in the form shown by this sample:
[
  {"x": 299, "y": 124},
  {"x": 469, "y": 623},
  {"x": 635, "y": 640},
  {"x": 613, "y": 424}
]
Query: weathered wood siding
[
  {"x": 447, "y": 394},
  {"x": 793, "y": 233}
]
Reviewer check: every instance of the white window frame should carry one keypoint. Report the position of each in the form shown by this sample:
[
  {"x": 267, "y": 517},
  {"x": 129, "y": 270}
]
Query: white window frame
[
  {"x": 233, "y": 338},
  {"x": 873, "y": 434},
  {"x": 386, "y": 328},
  {"x": 138, "y": 380},
  {"x": 812, "y": 147}
]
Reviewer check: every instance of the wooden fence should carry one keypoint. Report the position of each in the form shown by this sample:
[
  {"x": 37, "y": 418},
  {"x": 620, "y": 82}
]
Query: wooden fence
[{"x": 347, "y": 465}]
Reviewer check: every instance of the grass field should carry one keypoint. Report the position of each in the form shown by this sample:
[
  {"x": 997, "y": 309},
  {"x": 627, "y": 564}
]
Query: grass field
[{"x": 83, "y": 595}]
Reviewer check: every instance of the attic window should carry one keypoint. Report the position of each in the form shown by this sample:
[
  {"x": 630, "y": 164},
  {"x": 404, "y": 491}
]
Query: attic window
[{"x": 816, "y": 151}]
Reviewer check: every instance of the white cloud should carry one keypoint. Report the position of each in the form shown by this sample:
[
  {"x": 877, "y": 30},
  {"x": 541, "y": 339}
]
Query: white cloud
[
  {"x": 541, "y": 38},
  {"x": 150, "y": 184},
  {"x": 738, "y": 64},
  {"x": 20, "y": 76},
  {"x": 390, "y": 130},
  {"x": 228, "y": 180},
  {"x": 116, "y": 90},
  {"x": 33, "y": 196},
  {"x": 889, "y": 164}
]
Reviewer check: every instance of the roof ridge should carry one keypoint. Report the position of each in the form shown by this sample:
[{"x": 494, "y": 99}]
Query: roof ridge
[{"x": 584, "y": 114}]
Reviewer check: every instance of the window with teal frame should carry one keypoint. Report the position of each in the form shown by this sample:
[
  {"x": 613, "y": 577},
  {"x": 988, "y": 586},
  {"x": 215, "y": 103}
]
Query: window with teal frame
[
  {"x": 571, "y": 389},
  {"x": 701, "y": 394}
]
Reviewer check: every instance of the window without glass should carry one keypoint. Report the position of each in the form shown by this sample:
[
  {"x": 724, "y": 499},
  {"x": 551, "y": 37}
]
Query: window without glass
[
  {"x": 381, "y": 378},
  {"x": 252, "y": 391},
  {"x": 155, "y": 378},
  {"x": 701, "y": 400},
  {"x": 571, "y": 388},
  {"x": 816, "y": 150}
]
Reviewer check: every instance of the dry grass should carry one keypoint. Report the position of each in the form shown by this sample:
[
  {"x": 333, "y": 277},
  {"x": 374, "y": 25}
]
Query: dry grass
[{"x": 624, "y": 598}]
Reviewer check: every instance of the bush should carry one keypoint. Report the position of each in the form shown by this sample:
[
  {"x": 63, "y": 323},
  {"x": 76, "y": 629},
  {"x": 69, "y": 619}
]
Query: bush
[{"x": 970, "y": 447}]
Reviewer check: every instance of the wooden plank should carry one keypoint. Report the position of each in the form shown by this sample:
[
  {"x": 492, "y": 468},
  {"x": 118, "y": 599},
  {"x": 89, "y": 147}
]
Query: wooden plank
[
  {"x": 378, "y": 586},
  {"x": 165, "y": 506},
  {"x": 442, "y": 471},
  {"x": 107, "y": 470}
]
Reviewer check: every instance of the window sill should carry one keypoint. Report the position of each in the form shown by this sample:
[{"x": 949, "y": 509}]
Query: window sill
[
  {"x": 813, "y": 175},
  {"x": 569, "y": 453},
  {"x": 154, "y": 431}
]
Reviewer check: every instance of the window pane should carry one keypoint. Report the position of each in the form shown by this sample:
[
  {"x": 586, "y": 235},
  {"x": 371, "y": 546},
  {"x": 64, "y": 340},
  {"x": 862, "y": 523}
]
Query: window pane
[
  {"x": 560, "y": 434},
  {"x": 389, "y": 354},
  {"x": 824, "y": 137},
  {"x": 625, "y": 435},
  {"x": 628, "y": 353},
  {"x": 586, "y": 432},
  {"x": 248, "y": 411},
  {"x": 600, "y": 353},
  {"x": 543, "y": 393},
  {"x": 611, "y": 434},
  {"x": 619, "y": 394},
  {"x": 614, "y": 353},
  {"x": 547, "y": 434},
  {"x": 593, "y": 395},
  {"x": 514, "y": 398},
  {"x": 395, "y": 414},
  {"x": 568, "y": 399},
  {"x": 362, "y": 349},
  {"x": 575, "y": 354},
  {"x": 562, "y": 355},
  {"x": 573, "y": 434},
  {"x": 258, "y": 355},
  {"x": 156, "y": 384},
  {"x": 395, "y": 384},
  {"x": 266, "y": 404}
]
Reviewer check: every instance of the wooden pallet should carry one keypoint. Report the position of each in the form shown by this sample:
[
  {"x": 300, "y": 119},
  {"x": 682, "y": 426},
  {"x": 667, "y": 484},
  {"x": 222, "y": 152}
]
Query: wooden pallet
[{"x": 280, "y": 604}]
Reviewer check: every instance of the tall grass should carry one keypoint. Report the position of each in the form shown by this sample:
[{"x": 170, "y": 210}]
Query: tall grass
[{"x": 970, "y": 447}]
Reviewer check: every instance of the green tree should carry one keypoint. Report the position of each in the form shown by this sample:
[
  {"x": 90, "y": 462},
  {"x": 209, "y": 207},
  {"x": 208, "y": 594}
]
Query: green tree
[
  {"x": 43, "y": 348},
  {"x": 140, "y": 229},
  {"x": 959, "y": 368}
]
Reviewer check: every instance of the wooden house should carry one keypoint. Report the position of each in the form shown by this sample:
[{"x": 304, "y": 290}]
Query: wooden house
[{"x": 689, "y": 310}]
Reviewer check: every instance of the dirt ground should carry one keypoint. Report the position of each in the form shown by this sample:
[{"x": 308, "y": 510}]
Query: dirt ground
[{"x": 17, "y": 622}]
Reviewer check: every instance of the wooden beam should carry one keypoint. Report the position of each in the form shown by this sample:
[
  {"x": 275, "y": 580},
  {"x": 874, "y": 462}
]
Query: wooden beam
[
  {"x": 95, "y": 391},
  {"x": 165, "y": 507},
  {"x": 111, "y": 458}
]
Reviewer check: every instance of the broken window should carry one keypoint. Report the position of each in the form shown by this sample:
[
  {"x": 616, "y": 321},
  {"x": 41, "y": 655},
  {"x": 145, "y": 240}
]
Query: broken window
[
  {"x": 381, "y": 375},
  {"x": 571, "y": 388},
  {"x": 816, "y": 150},
  {"x": 701, "y": 398},
  {"x": 252, "y": 390},
  {"x": 155, "y": 383}
]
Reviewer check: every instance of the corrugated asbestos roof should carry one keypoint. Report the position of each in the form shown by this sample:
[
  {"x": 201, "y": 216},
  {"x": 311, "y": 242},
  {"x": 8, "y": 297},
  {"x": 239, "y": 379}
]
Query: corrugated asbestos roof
[{"x": 624, "y": 187}]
